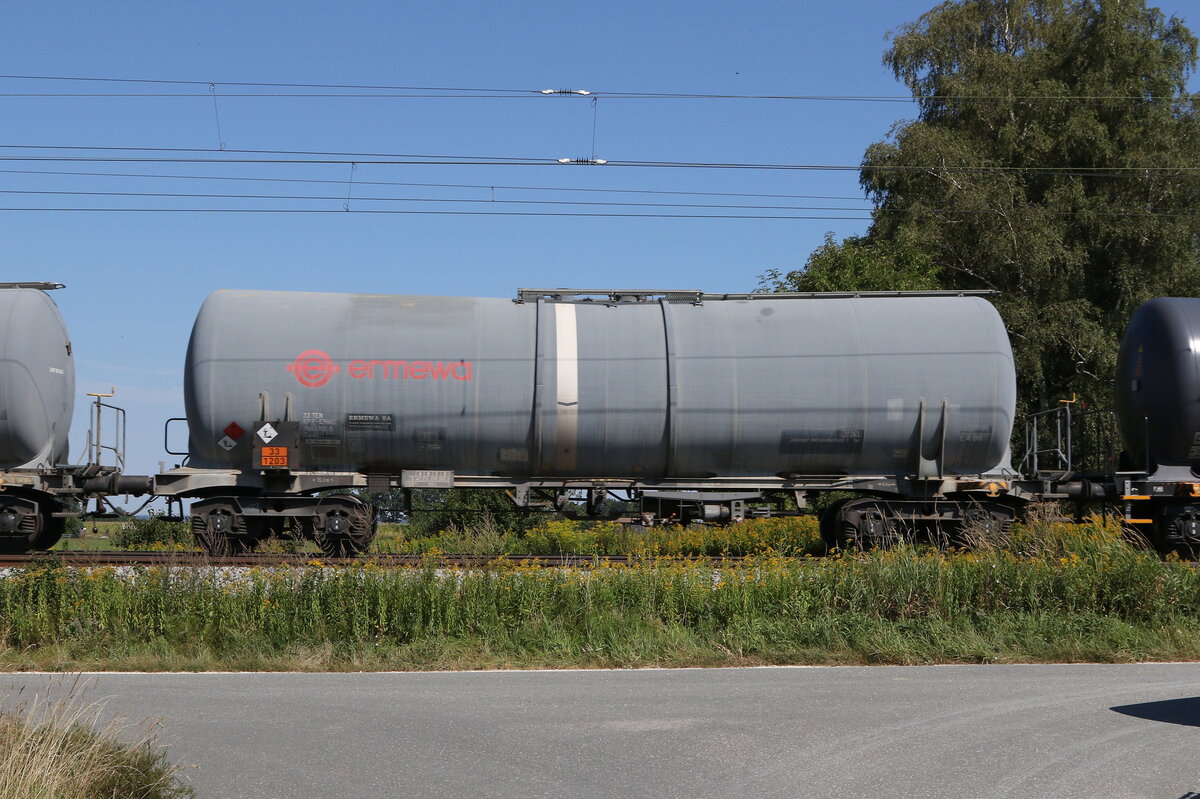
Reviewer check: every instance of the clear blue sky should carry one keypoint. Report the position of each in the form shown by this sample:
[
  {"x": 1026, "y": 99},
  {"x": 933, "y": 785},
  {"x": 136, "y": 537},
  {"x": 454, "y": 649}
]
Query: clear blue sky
[{"x": 135, "y": 280}]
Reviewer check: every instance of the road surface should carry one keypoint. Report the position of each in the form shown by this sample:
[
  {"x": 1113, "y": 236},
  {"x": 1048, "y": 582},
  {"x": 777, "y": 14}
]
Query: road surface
[{"x": 938, "y": 731}]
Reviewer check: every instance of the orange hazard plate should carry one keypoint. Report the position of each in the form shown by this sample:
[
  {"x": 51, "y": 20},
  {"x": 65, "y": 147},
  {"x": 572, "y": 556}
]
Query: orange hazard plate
[{"x": 274, "y": 456}]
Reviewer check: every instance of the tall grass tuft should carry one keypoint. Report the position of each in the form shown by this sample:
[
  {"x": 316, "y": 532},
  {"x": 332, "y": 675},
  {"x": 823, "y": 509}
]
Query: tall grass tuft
[{"x": 60, "y": 749}]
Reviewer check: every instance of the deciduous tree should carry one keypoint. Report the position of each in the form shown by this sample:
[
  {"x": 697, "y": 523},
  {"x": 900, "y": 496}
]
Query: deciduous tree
[{"x": 1055, "y": 158}]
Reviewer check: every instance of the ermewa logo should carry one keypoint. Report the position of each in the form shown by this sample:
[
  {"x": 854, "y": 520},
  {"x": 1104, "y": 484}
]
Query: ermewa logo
[{"x": 314, "y": 368}]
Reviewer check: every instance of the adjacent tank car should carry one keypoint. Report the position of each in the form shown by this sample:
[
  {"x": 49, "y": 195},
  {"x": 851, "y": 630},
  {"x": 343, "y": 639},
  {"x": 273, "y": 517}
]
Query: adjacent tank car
[
  {"x": 37, "y": 398},
  {"x": 1157, "y": 398},
  {"x": 37, "y": 380},
  {"x": 908, "y": 397},
  {"x": 37, "y": 395}
]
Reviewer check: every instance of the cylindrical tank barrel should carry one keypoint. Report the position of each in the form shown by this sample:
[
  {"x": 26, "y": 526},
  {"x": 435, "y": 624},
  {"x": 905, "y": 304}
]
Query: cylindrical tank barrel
[
  {"x": 37, "y": 380},
  {"x": 1157, "y": 393},
  {"x": 633, "y": 390}
]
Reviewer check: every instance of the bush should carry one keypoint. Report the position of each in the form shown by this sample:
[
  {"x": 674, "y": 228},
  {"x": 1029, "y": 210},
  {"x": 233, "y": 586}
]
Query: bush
[
  {"x": 789, "y": 536},
  {"x": 155, "y": 532},
  {"x": 794, "y": 536},
  {"x": 437, "y": 512}
]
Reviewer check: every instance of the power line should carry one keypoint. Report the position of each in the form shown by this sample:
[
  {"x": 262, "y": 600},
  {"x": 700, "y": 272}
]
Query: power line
[
  {"x": 309, "y": 197},
  {"x": 107, "y": 148},
  {"x": 593, "y": 95},
  {"x": 408, "y": 159},
  {"x": 165, "y": 82},
  {"x": 392, "y": 211},
  {"x": 459, "y": 200},
  {"x": 434, "y": 185},
  {"x": 275, "y": 95},
  {"x": 480, "y": 92}
]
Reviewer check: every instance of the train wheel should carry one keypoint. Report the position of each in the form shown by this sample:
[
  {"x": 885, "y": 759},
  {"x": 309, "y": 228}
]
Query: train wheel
[
  {"x": 1179, "y": 532},
  {"x": 22, "y": 522},
  {"x": 51, "y": 532},
  {"x": 848, "y": 537},
  {"x": 333, "y": 535},
  {"x": 981, "y": 527},
  {"x": 867, "y": 524},
  {"x": 346, "y": 530},
  {"x": 213, "y": 532},
  {"x": 830, "y": 524}
]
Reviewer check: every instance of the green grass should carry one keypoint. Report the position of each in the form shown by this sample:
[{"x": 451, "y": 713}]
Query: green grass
[
  {"x": 1059, "y": 593},
  {"x": 95, "y": 535}
]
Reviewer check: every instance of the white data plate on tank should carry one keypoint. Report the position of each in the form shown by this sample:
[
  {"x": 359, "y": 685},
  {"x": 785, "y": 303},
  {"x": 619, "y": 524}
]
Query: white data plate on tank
[{"x": 426, "y": 478}]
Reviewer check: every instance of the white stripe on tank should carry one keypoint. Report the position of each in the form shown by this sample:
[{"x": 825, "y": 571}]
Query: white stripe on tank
[{"x": 567, "y": 372}]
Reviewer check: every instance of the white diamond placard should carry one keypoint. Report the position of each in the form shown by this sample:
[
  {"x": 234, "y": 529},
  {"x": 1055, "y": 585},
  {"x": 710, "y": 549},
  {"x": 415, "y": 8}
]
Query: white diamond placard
[
  {"x": 267, "y": 433},
  {"x": 226, "y": 443}
]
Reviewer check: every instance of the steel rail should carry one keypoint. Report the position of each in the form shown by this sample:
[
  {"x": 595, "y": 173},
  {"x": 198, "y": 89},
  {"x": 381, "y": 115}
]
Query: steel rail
[{"x": 98, "y": 558}]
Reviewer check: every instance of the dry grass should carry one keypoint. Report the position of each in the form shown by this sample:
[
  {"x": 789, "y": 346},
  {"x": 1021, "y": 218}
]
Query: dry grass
[{"x": 61, "y": 748}]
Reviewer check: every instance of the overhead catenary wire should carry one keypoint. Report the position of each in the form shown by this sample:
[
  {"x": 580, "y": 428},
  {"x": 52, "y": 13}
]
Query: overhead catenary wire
[
  {"x": 491, "y": 186},
  {"x": 176, "y": 82},
  {"x": 418, "y": 212},
  {"x": 421, "y": 159},
  {"x": 593, "y": 214},
  {"x": 351, "y": 90},
  {"x": 577, "y": 203},
  {"x": 490, "y": 201},
  {"x": 247, "y": 151},
  {"x": 273, "y": 95},
  {"x": 596, "y": 95}
]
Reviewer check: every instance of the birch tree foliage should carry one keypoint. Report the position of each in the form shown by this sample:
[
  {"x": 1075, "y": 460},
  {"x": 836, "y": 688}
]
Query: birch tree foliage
[{"x": 1055, "y": 157}]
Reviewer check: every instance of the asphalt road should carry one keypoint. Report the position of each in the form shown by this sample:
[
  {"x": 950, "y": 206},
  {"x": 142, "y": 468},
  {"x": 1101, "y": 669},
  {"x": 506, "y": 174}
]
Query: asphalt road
[{"x": 970, "y": 731}]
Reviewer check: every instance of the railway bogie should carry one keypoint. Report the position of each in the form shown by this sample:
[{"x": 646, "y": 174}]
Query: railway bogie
[
  {"x": 340, "y": 525},
  {"x": 1165, "y": 514},
  {"x": 876, "y": 523},
  {"x": 1179, "y": 529}
]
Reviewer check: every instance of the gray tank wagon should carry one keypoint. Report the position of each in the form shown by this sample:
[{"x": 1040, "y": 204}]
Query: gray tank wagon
[
  {"x": 907, "y": 397},
  {"x": 37, "y": 398}
]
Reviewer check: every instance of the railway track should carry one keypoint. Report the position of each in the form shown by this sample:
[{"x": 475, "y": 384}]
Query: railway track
[
  {"x": 83, "y": 559},
  {"x": 98, "y": 558}
]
